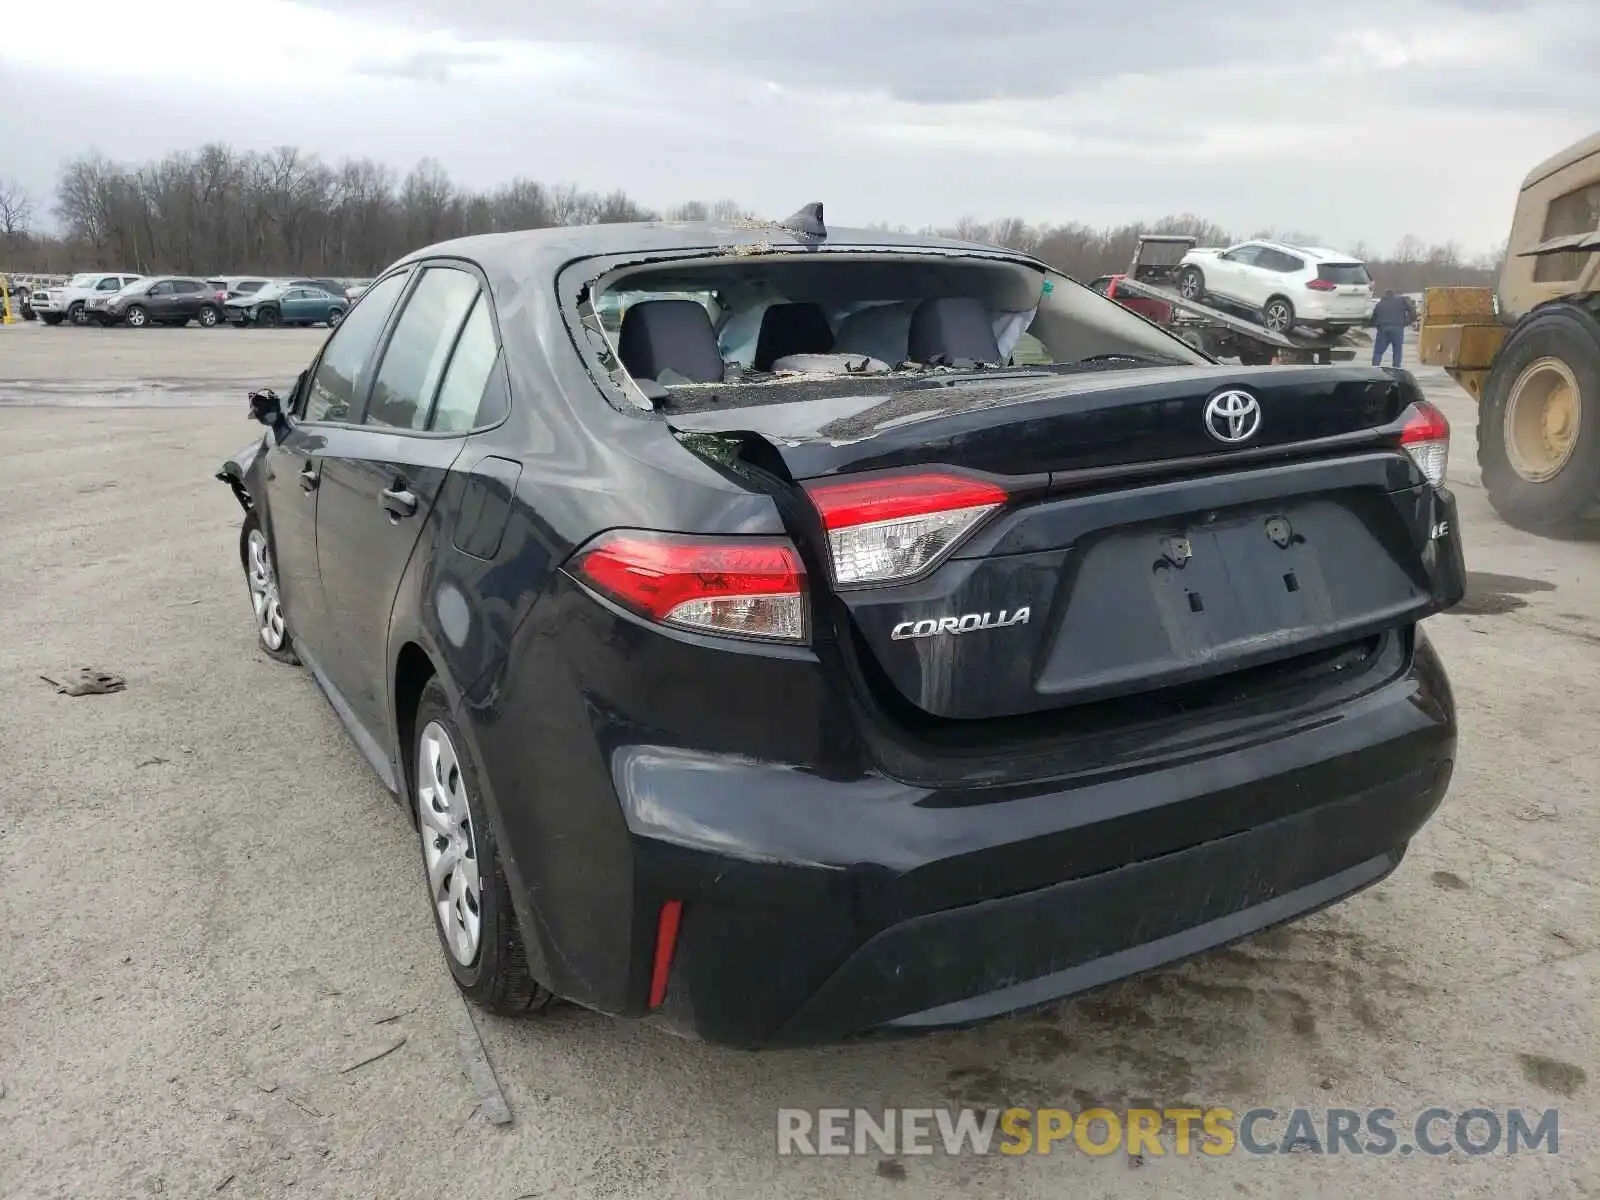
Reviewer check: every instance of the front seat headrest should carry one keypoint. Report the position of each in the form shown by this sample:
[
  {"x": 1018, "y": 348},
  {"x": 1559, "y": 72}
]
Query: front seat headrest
[
  {"x": 952, "y": 328},
  {"x": 791, "y": 329},
  {"x": 669, "y": 335}
]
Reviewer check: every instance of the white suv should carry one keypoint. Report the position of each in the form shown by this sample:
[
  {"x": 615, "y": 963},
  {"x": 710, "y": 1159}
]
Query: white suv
[
  {"x": 69, "y": 301},
  {"x": 1285, "y": 285}
]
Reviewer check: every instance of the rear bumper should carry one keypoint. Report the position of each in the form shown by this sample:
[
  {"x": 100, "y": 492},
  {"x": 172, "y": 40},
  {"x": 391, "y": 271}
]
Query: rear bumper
[{"x": 815, "y": 909}]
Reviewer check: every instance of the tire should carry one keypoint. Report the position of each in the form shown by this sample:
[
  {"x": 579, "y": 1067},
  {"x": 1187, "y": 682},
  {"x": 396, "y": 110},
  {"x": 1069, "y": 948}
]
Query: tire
[
  {"x": 488, "y": 960},
  {"x": 334, "y": 317},
  {"x": 77, "y": 314},
  {"x": 1277, "y": 315},
  {"x": 269, "y": 318},
  {"x": 1522, "y": 423},
  {"x": 51, "y": 319},
  {"x": 136, "y": 317},
  {"x": 1191, "y": 284},
  {"x": 261, "y": 578},
  {"x": 207, "y": 317}
]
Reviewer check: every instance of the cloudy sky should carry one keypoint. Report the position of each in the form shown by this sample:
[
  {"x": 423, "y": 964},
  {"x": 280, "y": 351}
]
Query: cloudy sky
[{"x": 1403, "y": 116}]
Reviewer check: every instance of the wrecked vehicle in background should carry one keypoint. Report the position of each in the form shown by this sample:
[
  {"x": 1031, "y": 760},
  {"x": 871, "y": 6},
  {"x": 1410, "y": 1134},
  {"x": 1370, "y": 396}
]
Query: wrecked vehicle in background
[{"x": 789, "y": 663}]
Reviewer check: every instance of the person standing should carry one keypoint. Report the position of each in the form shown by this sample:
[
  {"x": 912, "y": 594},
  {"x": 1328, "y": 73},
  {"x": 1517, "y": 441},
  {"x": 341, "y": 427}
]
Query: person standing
[{"x": 1390, "y": 317}]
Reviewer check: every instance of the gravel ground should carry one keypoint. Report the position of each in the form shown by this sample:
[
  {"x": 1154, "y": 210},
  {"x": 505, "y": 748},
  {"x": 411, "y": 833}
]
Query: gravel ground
[{"x": 212, "y": 910}]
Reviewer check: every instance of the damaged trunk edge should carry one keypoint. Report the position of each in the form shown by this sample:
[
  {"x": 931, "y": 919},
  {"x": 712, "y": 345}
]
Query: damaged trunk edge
[
  {"x": 1136, "y": 552},
  {"x": 1105, "y": 427}
]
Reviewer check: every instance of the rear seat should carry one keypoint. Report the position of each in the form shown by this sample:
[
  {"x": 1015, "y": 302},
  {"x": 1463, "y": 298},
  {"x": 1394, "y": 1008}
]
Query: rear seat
[
  {"x": 952, "y": 329},
  {"x": 791, "y": 329},
  {"x": 669, "y": 336}
]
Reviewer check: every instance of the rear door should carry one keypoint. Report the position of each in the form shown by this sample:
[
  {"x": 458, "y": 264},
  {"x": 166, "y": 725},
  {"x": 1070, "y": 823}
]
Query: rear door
[
  {"x": 321, "y": 408},
  {"x": 380, "y": 480},
  {"x": 189, "y": 296}
]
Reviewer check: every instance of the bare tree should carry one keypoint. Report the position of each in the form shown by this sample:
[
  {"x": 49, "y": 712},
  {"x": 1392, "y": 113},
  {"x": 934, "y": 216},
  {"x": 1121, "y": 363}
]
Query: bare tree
[
  {"x": 16, "y": 211},
  {"x": 220, "y": 209}
]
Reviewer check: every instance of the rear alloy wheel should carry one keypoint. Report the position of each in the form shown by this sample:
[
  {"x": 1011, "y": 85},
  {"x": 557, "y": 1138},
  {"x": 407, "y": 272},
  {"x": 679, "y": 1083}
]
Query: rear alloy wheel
[
  {"x": 1277, "y": 316},
  {"x": 467, "y": 889},
  {"x": 334, "y": 317},
  {"x": 1191, "y": 284},
  {"x": 208, "y": 317},
  {"x": 136, "y": 316},
  {"x": 272, "y": 632}
]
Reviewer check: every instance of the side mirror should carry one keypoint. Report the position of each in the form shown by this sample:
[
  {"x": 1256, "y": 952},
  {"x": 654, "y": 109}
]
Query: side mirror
[{"x": 266, "y": 407}]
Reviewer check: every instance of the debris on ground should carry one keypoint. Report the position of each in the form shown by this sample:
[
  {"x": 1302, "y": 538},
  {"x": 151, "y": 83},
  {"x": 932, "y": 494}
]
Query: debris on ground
[
  {"x": 394, "y": 1016},
  {"x": 303, "y": 1107},
  {"x": 480, "y": 1071},
  {"x": 372, "y": 1058},
  {"x": 226, "y": 1180},
  {"x": 87, "y": 681}
]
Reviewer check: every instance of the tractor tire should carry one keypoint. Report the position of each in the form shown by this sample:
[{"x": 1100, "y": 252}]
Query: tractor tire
[{"x": 1539, "y": 425}]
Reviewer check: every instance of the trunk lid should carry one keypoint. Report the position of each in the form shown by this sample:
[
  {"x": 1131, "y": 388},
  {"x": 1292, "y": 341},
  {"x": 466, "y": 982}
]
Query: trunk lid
[
  {"x": 1135, "y": 548},
  {"x": 1018, "y": 423}
]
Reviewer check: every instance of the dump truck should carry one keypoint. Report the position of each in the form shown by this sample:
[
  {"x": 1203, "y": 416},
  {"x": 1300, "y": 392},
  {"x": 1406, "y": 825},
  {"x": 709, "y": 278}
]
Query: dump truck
[{"x": 1528, "y": 350}]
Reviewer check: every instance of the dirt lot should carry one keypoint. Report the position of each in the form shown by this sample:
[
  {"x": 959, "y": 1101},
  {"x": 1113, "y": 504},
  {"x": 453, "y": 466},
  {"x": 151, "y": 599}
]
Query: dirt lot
[{"x": 212, "y": 911}]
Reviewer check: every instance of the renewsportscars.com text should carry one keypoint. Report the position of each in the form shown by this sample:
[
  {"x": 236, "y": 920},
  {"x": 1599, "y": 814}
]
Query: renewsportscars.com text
[{"x": 1213, "y": 1132}]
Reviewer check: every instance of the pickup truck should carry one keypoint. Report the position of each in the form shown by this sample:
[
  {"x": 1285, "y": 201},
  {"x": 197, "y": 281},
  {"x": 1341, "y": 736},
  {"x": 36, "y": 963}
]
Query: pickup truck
[{"x": 70, "y": 301}]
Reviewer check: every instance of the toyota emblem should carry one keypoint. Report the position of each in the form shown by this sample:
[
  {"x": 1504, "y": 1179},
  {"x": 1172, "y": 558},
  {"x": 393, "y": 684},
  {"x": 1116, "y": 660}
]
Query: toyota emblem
[{"x": 1233, "y": 416}]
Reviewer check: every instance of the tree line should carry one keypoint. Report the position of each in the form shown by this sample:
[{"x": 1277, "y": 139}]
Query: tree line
[{"x": 284, "y": 211}]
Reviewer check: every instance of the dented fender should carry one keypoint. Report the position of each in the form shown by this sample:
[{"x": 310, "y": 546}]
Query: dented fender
[{"x": 236, "y": 473}]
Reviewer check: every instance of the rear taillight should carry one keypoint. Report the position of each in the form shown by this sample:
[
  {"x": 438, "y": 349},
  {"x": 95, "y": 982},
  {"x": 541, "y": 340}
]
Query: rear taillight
[
  {"x": 745, "y": 588},
  {"x": 893, "y": 527},
  {"x": 1320, "y": 285},
  {"x": 1425, "y": 435}
]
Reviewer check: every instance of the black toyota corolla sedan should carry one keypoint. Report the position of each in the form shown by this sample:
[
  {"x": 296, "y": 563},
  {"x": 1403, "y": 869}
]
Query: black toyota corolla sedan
[{"x": 784, "y": 634}]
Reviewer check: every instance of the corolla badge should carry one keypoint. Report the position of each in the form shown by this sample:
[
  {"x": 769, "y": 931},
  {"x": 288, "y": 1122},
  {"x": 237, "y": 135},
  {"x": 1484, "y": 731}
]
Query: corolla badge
[
  {"x": 1233, "y": 416},
  {"x": 966, "y": 623}
]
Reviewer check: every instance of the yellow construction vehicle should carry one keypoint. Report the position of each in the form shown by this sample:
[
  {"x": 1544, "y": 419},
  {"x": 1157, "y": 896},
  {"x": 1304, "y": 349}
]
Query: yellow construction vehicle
[{"x": 1529, "y": 350}]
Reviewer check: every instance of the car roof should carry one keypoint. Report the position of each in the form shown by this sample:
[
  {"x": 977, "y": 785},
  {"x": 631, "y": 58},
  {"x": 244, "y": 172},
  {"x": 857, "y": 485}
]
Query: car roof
[
  {"x": 1313, "y": 253},
  {"x": 545, "y": 251}
]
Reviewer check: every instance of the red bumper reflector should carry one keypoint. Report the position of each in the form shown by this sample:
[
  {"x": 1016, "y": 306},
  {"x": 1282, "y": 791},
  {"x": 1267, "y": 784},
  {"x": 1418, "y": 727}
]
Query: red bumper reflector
[{"x": 666, "y": 941}]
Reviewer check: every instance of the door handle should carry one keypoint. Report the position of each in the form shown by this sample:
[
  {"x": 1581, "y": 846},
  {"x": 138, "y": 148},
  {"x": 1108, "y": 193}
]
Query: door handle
[
  {"x": 398, "y": 501},
  {"x": 309, "y": 477}
]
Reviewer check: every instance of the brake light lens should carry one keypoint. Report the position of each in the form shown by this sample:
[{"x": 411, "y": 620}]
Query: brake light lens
[
  {"x": 895, "y": 527},
  {"x": 1425, "y": 435},
  {"x": 1320, "y": 285},
  {"x": 741, "y": 588}
]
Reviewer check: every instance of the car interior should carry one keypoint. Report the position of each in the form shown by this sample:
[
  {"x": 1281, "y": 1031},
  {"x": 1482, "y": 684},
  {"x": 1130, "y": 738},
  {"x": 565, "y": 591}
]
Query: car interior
[{"x": 728, "y": 321}]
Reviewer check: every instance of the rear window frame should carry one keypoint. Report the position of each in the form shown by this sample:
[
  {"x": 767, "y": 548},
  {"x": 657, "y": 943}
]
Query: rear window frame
[
  {"x": 579, "y": 279},
  {"x": 1324, "y": 267}
]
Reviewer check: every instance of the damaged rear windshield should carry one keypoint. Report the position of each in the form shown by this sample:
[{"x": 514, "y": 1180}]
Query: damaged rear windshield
[{"x": 690, "y": 334}]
